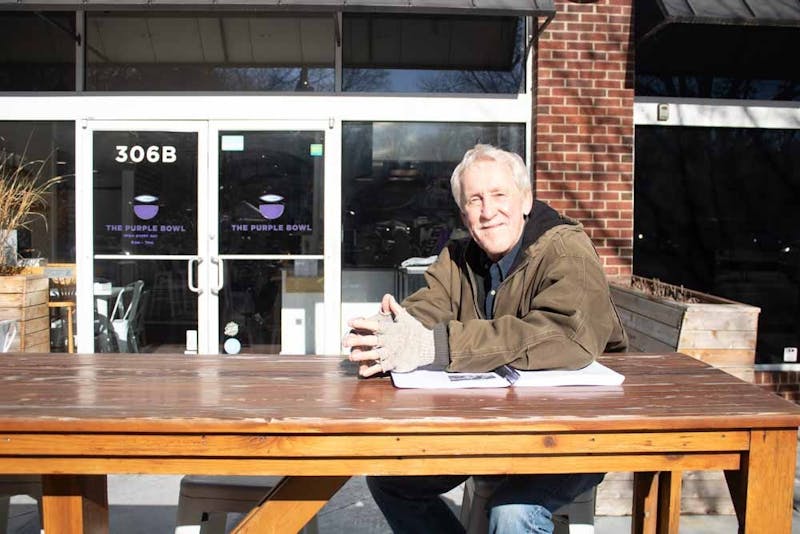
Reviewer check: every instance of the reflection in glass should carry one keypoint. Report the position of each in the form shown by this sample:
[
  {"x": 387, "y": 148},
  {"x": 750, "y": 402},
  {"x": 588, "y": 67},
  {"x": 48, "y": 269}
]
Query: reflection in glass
[
  {"x": 271, "y": 307},
  {"x": 710, "y": 86},
  {"x": 209, "y": 52},
  {"x": 270, "y": 192},
  {"x": 145, "y": 192},
  {"x": 432, "y": 54},
  {"x": 715, "y": 210},
  {"x": 396, "y": 186},
  {"x": 54, "y": 142},
  {"x": 142, "y": 306},
  {"x": 37, "y": 51}
]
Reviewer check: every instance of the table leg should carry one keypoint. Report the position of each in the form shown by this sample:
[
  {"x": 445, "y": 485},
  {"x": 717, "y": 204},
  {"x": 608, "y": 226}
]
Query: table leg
[
  {"x": 70, "y": 340},
  {"x": 74, "y": 504},
  {"x": 669, "y": 502},
  {"x": 645, "y": 503},
  {"x": 762, "y": 489},
  {"x": 290, "y": 505},
  {"x": 656, "y": 502}
]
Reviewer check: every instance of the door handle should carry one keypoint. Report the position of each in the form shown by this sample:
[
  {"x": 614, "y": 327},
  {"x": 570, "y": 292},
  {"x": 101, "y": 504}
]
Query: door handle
[
  {"x": 190, "y": 275},
  {"x": 219, "y": 262}
]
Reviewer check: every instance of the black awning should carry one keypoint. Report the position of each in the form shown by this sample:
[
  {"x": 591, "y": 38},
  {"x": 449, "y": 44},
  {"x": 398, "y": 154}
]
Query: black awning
[
  {"x": 738, "y": 38},
  {"x": 774, "y": 12},
  {"x": 544, "y": 8},
  {"x": 654, "y": 15}
]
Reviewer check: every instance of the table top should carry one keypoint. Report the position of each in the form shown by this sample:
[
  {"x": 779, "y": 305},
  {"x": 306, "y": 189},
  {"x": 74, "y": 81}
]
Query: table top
[{"x": 321, "y": 394}]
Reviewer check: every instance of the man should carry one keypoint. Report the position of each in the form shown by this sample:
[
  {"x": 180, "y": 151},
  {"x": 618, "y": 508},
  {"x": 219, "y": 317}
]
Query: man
[{"x": 527, "y": 290}]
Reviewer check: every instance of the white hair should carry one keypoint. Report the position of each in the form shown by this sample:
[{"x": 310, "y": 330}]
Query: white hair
[{"x": 519, "y": 171}]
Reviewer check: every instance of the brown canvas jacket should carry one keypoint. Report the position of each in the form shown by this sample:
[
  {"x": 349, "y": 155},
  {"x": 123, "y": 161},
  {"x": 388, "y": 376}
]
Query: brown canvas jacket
[{"x": 552, "y": 311}]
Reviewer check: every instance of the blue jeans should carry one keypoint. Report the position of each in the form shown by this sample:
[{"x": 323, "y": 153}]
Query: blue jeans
[{"x": 520, "y": 504}]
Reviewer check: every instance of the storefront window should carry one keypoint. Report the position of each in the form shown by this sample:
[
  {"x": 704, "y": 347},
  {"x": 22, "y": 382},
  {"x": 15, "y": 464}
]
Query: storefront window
[
  {"x": 270, "y": 199},
  {"x": 396, "y": 195},
  {"x": 432, "y": 54},
  {"x": 709, "y": 86},
  {"x": 715, "y": 212},
  {"x": 138, "y": 175},
  {"x": 52, "y": 238},
  {"x": 209, "y": 52},
  {"x": 37, "y": 51}
]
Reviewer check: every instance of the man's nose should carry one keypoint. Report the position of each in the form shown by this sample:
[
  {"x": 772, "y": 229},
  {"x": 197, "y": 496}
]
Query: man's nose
[{"x": 489, "y": 209}]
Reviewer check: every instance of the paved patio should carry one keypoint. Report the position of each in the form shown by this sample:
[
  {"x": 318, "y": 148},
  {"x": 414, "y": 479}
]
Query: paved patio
[{"x": 147, "y": 504}]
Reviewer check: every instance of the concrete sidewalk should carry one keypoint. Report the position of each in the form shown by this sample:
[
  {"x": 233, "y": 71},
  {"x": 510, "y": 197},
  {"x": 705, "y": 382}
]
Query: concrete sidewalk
[{"x": 147, "y": 505}]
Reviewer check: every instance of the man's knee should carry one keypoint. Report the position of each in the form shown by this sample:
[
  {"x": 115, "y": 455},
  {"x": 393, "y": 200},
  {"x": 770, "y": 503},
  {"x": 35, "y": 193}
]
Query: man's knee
[{"x": 518, "y": 518}]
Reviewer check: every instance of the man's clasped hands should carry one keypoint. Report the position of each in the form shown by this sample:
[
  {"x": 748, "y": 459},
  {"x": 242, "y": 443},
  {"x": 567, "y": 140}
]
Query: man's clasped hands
[{"x": 391, "y": 340}]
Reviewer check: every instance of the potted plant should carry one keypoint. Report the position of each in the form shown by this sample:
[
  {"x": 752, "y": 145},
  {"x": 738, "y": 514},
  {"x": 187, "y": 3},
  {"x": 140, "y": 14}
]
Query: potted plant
[{"x": 23, "y": 296}]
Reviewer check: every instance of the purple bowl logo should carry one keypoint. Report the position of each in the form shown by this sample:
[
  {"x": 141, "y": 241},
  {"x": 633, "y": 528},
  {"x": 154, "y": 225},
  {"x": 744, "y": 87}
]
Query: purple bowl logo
[
  {"x": 144, "y": 207},
  {"x": 271, "y": 207}
]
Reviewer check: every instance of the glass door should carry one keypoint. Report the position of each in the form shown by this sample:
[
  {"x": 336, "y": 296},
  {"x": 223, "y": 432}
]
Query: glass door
[
  {"x": 146, "y": 193},
  {"x": 207, "y": 237},
  {"x": 267, "y": 242}
]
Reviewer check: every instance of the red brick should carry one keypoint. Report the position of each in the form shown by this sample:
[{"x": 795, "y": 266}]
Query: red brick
[
  {"x": 584, "y": 67},
  {"x": 609, "y": 197}
]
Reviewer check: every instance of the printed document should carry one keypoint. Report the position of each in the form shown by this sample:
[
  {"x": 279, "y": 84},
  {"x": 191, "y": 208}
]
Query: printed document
[{"x": 594, "y": 374}]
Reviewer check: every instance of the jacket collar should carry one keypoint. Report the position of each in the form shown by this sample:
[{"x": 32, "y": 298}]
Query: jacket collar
[{"x": 541, "y": 219}]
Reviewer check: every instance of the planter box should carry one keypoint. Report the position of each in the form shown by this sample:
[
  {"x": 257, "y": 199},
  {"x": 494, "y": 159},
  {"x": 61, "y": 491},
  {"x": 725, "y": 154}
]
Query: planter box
[
  {"x": 718, "y": 331},
  {"x": 702, "y": 493},
  {"x": 715, "y": 330},
  {"x": 24, "y": 298}
]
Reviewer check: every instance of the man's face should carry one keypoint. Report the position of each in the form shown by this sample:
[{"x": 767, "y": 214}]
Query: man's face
[{"x": 493, "y": 208}]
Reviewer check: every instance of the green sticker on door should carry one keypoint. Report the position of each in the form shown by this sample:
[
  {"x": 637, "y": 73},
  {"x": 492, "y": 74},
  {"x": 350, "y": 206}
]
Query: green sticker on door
[{"x": 315, "y": 149}]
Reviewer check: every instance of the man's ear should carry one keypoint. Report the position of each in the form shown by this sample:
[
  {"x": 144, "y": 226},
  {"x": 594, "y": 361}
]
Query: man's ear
[{"x": 527, "y": 202}]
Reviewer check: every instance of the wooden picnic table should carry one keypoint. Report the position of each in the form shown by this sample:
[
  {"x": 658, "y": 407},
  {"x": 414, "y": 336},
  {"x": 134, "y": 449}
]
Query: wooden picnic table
[{"x": 75, "y": 419}]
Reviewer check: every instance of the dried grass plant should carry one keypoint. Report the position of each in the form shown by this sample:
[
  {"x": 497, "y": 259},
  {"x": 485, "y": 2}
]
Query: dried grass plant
[
  {"x": 23, "y": 188},
  {"x": 657, "y": 288}
]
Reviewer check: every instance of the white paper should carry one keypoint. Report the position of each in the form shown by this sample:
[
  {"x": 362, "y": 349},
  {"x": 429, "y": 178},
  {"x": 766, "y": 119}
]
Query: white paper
[{"x": 594, "y": 374}]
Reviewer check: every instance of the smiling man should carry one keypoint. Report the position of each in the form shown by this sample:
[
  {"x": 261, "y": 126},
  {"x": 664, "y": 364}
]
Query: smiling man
[{"x": 527, "y": 290}]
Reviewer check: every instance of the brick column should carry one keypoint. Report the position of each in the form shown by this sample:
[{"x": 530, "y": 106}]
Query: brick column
[{"x": 583, "y": 123}]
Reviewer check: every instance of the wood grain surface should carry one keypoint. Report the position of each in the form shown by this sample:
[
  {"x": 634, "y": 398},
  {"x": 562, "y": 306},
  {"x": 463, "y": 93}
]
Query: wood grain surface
[
  {"x": 75, "y": 419},
  {"x": 317, "y": 394}
]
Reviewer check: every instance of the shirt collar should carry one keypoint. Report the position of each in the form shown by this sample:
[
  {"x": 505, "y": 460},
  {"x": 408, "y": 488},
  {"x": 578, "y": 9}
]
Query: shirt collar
[{"x": 505, "y": 263}]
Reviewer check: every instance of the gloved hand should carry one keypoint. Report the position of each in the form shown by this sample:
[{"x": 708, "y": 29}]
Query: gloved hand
[{"x": 394, "y": 339}]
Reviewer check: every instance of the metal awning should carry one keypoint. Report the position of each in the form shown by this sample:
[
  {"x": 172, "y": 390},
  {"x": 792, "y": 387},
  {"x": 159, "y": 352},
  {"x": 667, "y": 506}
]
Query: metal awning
[
  {"x": 735, "y": 38},
  {"x": 536, "y": 8},
  {"x": 775, "y": 12},
  {"x": 657, "y": 14}
]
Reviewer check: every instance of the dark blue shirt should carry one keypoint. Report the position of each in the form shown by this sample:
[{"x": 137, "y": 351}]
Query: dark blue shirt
[{"x": 498, "y": 272}]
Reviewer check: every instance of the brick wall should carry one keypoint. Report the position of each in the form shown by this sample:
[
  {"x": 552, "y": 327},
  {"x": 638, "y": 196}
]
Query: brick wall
[
  {"x": 781, "y": 379},
  {"x": 783, "y": 382},
  {"x": 583, "y": 123}
]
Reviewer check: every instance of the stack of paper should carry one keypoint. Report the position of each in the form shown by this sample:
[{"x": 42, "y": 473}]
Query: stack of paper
[{"x": 594, "y": 374}]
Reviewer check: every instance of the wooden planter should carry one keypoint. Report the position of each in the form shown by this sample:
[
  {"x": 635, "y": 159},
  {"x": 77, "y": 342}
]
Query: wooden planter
[
  {"x": 715, "y": 330},
  {"x": 24, "y": 298}
]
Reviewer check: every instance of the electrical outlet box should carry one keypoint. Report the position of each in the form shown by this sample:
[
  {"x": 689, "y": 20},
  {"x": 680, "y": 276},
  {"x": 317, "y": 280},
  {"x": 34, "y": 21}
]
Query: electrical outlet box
[{"x": 663, "y": 112}]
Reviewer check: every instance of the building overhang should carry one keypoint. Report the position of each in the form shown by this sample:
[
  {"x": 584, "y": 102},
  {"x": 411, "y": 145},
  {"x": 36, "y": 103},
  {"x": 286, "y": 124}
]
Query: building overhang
[
  {"x": 534, "y": 8},
  {"x": 736, "y": 38}
]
